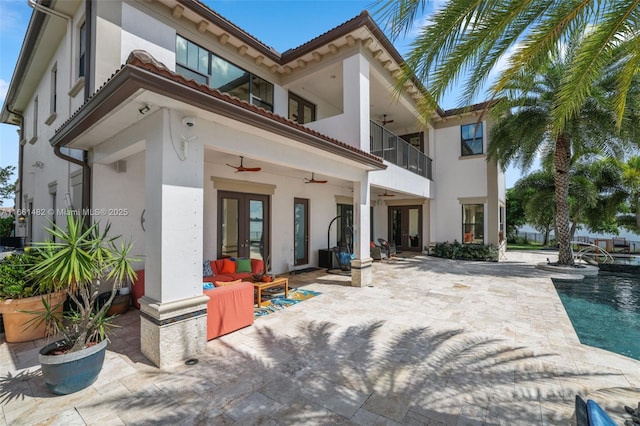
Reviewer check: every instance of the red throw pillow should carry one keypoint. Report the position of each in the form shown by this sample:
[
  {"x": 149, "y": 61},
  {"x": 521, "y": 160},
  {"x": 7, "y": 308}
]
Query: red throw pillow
[
  {"x": 228, "y": 267},
  {"x": 257, "y": 266}
]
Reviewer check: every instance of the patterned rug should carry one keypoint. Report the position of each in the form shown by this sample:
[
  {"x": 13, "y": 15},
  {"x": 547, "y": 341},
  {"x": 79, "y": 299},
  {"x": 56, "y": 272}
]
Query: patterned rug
[{"x": 273, "y": 302}]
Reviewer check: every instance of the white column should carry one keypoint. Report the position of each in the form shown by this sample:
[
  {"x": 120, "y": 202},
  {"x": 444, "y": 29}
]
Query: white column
[
  {"x": 173, "y": 310},
  {"x": 356, "y": 98},
  {"x": 361, "y": 274}
]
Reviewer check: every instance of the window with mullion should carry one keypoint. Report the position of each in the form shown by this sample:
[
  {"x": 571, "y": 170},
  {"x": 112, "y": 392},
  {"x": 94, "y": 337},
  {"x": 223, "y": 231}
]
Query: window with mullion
[
  {"x": 301, "y": 110},
  {"x": 205, "y": 67},
  {"x": 473, "y": 223},
  {"x": 471, "y": 135}
]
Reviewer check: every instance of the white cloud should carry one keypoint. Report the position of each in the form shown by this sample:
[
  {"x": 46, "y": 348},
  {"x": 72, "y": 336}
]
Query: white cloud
[{"x": 4, "y": 86}]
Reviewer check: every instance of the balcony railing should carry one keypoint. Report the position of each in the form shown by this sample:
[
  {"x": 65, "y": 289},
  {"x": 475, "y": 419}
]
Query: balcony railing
[{"x": 399, "y": 152}]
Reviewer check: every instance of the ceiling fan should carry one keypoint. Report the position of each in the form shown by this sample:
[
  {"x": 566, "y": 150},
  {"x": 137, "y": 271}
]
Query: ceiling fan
[
  {"x": 386, "y": 194},
  {"x": 314, "y": 180},
  {"x": 384, "y": 120},
  {"x": 242, "y": 168}
]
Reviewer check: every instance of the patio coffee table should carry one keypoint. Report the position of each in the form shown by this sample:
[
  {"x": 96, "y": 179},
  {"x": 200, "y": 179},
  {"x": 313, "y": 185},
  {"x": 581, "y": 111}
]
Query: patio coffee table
[{"x": 259, "y": 286}]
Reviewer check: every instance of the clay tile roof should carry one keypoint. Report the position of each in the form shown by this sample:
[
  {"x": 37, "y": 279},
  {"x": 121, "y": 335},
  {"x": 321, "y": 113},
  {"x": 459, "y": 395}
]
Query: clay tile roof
[
  {"x": 143, "y": 59},
  {"x": 467, "y": 109},
  {"x": 363, "y": 15}
]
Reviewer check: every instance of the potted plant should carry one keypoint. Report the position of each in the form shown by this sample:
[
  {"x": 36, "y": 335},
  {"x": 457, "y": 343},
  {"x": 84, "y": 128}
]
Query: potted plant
[
  {"x": 77, "y": 261},
  {"x": 21, "y": 295}
]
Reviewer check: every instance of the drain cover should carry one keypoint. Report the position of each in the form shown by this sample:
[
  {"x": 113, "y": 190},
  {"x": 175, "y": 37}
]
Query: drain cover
[{"x": 191, "y": 361}]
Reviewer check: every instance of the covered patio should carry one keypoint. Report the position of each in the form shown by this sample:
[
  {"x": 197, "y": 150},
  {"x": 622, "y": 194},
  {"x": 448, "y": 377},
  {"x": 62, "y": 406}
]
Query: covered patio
[{"x": 430, "y": 340}]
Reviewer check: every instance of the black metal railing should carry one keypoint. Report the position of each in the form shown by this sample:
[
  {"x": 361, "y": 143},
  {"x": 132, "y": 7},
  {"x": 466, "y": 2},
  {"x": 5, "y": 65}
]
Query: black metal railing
[{"x": 398, "y": 151}]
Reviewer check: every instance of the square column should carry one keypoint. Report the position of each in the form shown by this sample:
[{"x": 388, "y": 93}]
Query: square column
[
  {"x": 173, "y": 310},
  {"x": 361, "y": 273},
  {"x": 355, "y": 72}
]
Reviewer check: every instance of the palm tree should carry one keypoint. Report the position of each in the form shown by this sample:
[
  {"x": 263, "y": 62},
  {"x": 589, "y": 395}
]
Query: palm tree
[
  {"x": 525, "y": 128},
  {"x": 469, "y": 41},
  {"x": 536, "y": 190},
  {"x": 631, "y": 181}
]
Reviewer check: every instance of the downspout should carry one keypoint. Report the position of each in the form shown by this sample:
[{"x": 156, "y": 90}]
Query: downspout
[
  {"x": 86, "y": 169},
  {"x": 86, "y": 176},
  {"x": 20, "y": 154}
]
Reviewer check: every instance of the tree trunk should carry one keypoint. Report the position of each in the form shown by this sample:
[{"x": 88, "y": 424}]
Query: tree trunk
[
  {"x": 547, "y": 231},
  {"x": 562, "y": 162}
]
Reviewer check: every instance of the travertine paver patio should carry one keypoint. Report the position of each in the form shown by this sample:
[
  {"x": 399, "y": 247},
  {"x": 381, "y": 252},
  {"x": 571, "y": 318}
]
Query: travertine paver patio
[{"x": 431, "y": 342}]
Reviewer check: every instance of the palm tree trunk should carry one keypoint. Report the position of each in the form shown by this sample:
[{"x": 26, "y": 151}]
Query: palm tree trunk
[{"x": 562, "y": 162}]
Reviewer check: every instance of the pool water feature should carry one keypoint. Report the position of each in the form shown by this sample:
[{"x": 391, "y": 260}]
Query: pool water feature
[{"x": 605, "y": 311}]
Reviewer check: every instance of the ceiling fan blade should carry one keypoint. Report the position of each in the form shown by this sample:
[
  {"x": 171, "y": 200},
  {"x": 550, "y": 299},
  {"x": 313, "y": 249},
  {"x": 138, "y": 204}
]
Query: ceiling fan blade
[{"x": 242, "y": 168}]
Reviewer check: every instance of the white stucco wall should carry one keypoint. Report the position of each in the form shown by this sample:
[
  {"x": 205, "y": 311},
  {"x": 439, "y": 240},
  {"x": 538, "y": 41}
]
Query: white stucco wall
[
  {"x": 455, "y": 177},
  {"x": 119, "y": 198},
  {"x": 36, "y": 181}
]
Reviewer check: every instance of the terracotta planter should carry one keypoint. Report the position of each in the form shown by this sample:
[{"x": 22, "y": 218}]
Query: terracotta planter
[
  {"x": 120, "y": 304},
  {"x": 16, "y": 323}
]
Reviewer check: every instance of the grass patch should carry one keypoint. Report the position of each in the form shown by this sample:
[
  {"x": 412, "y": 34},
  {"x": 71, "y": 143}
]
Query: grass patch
[{"x": 529, "y": 246}]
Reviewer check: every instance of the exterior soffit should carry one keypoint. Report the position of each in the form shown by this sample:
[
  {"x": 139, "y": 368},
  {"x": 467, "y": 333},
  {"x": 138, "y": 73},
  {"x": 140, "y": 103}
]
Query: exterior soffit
[{"x": 51, "y": 33}]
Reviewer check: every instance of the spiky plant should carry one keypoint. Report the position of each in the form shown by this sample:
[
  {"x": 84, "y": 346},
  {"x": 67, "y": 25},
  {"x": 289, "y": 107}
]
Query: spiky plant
[{"x": 78, "y": 260}]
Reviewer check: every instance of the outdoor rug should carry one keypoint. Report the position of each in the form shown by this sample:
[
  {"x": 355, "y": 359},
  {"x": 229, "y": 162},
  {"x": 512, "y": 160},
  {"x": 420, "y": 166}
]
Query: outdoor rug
[{"x": 276, "y": 301}]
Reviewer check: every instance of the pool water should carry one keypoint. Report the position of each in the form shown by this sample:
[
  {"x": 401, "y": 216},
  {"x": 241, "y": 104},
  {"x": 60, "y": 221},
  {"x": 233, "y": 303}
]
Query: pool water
[{"x": 605, "y": 311}]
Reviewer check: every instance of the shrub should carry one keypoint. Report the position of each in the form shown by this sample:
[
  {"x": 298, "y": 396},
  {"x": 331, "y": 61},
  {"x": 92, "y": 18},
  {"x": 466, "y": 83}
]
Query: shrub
[
  {"x": 15, "y": 280},
  {"x": 456, "y": 250}
]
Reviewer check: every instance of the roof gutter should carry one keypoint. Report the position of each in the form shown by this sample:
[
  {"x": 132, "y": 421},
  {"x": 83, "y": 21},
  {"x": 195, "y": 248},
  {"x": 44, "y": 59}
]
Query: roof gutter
[
  {"x": 28, "y": 46},
  {"x": 130, "y": 79}
]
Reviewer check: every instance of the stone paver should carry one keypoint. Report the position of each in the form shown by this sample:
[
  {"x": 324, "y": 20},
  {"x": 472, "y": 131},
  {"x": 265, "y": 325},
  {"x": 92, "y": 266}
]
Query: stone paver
[{"x": 432, "y": 341}]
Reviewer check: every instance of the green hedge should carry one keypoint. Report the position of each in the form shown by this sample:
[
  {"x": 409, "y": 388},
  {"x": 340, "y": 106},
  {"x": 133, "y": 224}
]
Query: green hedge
[{"x": 456, "y": 250}]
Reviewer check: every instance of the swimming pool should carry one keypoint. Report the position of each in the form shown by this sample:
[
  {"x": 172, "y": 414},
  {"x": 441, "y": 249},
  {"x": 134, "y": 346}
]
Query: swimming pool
[{"x": 605, "y": 311}]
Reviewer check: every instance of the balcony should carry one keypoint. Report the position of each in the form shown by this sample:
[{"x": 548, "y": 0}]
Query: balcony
[{"x": 399, "y": 152}]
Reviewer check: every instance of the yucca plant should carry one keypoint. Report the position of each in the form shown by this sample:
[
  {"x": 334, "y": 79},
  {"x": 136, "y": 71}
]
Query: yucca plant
[{"x": 78, "y": 260}]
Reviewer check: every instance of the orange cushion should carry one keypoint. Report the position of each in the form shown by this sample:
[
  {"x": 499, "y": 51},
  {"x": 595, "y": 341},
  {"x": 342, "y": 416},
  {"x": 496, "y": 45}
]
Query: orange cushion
[
  {"x": 226, "y": 283},
  {"x": 228, "y": 266}
]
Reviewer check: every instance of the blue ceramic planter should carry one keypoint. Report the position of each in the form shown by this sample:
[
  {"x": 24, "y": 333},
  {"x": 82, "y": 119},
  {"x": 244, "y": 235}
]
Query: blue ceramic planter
[{"x": 69, "y": 373}]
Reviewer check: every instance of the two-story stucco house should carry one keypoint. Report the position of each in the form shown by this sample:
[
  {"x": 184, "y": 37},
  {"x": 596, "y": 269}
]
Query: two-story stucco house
[{"x": 141, "y": 112}]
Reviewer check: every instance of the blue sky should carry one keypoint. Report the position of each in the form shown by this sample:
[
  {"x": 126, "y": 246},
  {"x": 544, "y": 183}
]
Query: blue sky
[{"x": 266, "y": 20}]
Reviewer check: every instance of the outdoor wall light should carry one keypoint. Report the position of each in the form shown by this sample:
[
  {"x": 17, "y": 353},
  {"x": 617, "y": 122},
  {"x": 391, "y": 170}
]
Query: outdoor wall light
[
  {"x": 21, "y": 219},
  {"x": 38, "y": 164}
]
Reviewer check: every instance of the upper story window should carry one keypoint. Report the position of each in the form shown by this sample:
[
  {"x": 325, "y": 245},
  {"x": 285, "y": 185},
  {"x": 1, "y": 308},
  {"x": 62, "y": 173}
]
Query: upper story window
[
  {"x": 82, "y": 50},
  {"x": 34, "y": 137},
  {"x": 301, "y": 110},
  {"x": 201, "y": 65},
  {"x": 54, "y": 89},
  {"x": 471, "y": 139}
]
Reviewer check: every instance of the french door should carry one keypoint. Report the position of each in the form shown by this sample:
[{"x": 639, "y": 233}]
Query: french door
[
  {"x": 244, "y": 225},
  {"x": 405, "y": 227}
]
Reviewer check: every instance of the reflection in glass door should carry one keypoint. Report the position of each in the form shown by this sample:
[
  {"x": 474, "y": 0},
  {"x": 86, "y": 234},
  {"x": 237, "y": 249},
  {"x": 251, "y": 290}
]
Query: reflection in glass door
[
  {"x": 405, "y": 227},
  {"x": 301, "y": 231},
  {"x": 244, "y": 221}
]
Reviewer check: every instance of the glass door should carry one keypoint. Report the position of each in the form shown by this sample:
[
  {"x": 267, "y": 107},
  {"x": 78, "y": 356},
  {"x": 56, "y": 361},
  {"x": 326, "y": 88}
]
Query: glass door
[
  {"x": 244, "y": 225},
  {"x": 405, "y": 227},
  {"x": 301, "y": 231}
]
